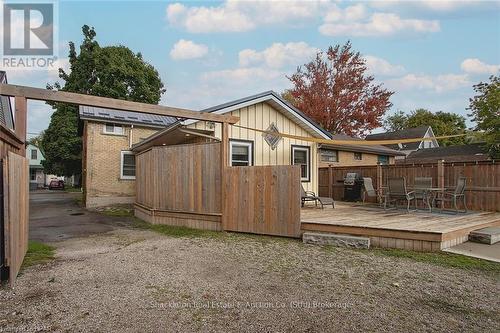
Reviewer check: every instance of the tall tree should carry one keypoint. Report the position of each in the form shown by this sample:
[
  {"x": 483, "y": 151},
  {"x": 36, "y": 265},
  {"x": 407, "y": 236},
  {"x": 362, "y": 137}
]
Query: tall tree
[
  {"x": 442, "y": 123},
  {"x": 335, "y": 90},
  {"x": 113, "y": 71},
  {"x": 485, "y": 107}
]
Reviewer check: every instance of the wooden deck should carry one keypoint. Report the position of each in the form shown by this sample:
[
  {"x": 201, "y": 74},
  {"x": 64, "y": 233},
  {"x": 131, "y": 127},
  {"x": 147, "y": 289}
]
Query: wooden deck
[{"x": 420, "y": 231}]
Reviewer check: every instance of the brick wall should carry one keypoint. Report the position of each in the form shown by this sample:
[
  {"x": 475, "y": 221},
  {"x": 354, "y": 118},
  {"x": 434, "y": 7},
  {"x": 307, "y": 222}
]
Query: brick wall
[
  {"x": 346, "y": 158},
  {"x": 103, "y": 185}
]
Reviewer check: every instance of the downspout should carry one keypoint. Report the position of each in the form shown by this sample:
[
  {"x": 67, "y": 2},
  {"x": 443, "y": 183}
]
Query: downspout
[{"x": 130, "y": 137}]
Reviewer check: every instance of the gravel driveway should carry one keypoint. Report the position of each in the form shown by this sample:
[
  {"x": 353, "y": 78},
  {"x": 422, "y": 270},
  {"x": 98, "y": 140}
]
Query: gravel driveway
[
  {"x": 134, "y": 280},
  {"x": 137, "y": 281}
]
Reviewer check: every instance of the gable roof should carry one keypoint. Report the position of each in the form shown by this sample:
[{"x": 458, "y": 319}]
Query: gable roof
[
  {"x": 6, "y": 115},
  {"x": 276, "y": 101},
  {"x": 378, "y": 149},
  {"x": 124, "y": 117},
  {"x": 476, "y": 151},
  {"x": 409, "y": 133}
]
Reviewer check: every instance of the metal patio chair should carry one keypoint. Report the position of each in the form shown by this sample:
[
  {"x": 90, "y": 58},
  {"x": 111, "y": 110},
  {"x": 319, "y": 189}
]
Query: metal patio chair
[
  {"x": 453, "y": 196},
  {"x": 397, "y": 192},
  {"x": 311, "y": 196},
  {"x": 421, "y": 188},
  {"x": 369, "y": 190}
]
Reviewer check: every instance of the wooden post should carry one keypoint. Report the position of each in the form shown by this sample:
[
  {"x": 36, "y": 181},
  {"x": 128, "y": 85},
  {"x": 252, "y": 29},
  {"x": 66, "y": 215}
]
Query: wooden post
[
  {"x": 21, "y": 121},
  {"x": 440, "y": 172},
  {"x": 330, "y": 182},
  {"x": 379, "y": 182},
  {"x": 224, "y": 151}
]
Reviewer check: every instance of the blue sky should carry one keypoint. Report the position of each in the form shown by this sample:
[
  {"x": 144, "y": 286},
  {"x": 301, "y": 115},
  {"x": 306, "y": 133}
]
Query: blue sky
[{"x": 430, "y": 52}]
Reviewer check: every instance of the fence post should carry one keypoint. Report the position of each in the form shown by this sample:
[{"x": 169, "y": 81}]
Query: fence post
[
  {"x": 330, "y": 182},
  {"x": 21, "y": 106},
  {"x": 379, "y": 182},
  {"x": 440, "y": 172}
]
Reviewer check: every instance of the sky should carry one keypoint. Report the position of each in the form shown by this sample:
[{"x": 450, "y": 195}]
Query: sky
[{"x": 430, "y": 53}]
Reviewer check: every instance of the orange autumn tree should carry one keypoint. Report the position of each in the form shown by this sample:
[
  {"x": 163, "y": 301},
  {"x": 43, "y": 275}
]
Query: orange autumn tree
[{"x": 335, "y": 91}]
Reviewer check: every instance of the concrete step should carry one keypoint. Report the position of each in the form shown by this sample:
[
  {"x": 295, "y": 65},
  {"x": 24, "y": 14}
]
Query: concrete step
[
  {"x": 489, "y": 235},
  {"x": 336, "y": 240}
]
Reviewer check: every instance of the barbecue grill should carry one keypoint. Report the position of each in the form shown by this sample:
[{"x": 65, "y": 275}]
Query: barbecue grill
[{"x": 353, "y": 183}]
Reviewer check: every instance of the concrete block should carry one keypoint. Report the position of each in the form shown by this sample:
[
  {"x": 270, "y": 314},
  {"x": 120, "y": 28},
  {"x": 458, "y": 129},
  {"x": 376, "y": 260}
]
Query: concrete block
[
  {"x": 490, "y": 235},
  {"x": 336, "y": 240}
]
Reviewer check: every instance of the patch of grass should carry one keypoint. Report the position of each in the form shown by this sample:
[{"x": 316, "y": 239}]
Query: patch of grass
[
  {"x": 443, "y": 259},
  {"x": 117, "y": 211},
  {"x": 175, "y": 231},
  {"x": 72, "y": 189},
  {"x": 38, "y": 253},
  {"x": 79, "y": 200}
]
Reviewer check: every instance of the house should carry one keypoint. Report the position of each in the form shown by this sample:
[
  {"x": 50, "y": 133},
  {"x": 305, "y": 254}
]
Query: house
[
  {"x": 38, "y": 178},
  {"x": 108, "y": 165},
  {"x": 6, "y": 115},
  {"x": 461, "y": 153},
  {"x": 355, "y": 155},
  {"x": 266, "y": 111},
  {"x": 410, "y": 133}
]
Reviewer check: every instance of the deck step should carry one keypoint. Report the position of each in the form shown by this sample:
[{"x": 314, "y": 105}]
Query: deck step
[
  {"x": 336, "y": 240},
  {"x": 489, "y": 235}
]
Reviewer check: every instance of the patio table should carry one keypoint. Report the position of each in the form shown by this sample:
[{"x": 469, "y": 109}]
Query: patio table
[{"x": 429, "y": 193}]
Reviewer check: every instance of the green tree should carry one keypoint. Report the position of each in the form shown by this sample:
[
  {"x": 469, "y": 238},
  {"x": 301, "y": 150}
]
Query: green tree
[
  {"x": 485, "y": 107},
  {"x": 442, "y": 123},
  {"x": 112, "y": 71}
]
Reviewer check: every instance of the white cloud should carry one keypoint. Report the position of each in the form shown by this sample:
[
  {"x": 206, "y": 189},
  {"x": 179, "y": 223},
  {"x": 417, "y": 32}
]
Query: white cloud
[
  {"x": 378, "y": 24},
  {"x": 186, "y": 49},
  {"x": 379, "y": 66},
  {"x": 238, "y": 16},
  {"x": 476, "y": 66},
  {"x": 241, "y": 75},
  {"x": 278, "y": 55},
  {"x": 439, "y": 83}
]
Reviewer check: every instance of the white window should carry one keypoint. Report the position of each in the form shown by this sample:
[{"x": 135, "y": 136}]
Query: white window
[
  {"x": 301, "y": 156},
  {"x": 241, "y": 153},
  {"x": 113, "y": 129},
  {"x": 329, "y": 155},
  {"x": 127, "y": 165}
]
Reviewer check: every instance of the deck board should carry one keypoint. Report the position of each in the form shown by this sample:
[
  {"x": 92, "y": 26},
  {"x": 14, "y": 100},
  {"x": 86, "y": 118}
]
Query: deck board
[{"x": 419, "y": 230}]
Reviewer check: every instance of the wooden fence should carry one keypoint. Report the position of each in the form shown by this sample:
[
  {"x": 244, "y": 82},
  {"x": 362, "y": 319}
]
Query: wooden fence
[
  {"x": 483, "y": 179},
  {"x": 183, "y": 182},
  {"x": 262, "y": 200}
]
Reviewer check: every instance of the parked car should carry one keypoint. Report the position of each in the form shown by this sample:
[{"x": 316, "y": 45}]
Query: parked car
[{"x": 56, "y": 184}]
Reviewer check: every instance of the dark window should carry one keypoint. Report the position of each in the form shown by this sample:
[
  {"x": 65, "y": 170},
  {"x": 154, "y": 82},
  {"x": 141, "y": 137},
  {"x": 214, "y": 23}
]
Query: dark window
[
  {"x": 383, "y": 159},
  {"x": 241, "y": 153},
  {"x": 33, "y": 174},
  {"x": 358, "y": 156},
  {"x": 301, "y": 156},
  {"x": 34, "y": 154},
  {"x": 128, "y": 165},
  {"x": 329, "y": 155}
]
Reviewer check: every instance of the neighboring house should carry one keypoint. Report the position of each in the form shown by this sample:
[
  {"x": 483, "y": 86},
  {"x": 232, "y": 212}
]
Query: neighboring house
[
  {"x": 38, "y": 178},
  {"x": 462, "y": 153},
  {"x": 6, "y": 116},
  {"x": 355, "y": 155},
  {"x": 410, "y": 133},
  {"x": 265, "y": 111},
  {"x": 108, "y": 164}
]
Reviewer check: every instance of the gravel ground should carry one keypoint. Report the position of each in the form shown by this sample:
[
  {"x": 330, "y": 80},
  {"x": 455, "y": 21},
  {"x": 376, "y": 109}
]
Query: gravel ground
[{"x": 130, "y": 280}]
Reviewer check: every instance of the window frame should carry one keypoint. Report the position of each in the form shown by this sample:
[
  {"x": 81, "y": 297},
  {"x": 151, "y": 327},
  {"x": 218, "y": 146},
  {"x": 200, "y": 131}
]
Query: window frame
[
  {"x": 321, "y": 150},
  {"x": 357, "y": 153},
  {"x": 247, "y": 143},
  {"x": 105, "y": 129},
  {"x": 384, "y": 156},
  {"x": 122, "y": 158},
  {"x": 36, "y": 154},
  {"x": 307, "y": 149}
]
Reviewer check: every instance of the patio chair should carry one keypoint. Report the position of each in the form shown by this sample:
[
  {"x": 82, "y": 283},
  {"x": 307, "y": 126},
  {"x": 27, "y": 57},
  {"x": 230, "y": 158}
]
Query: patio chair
[
  {"x": 397, "y": 192},
  {"x": 421, "y": 188},
  {"x": 311, "y": 196},
  {"x": 369, "y": 190},
  {"x": 453, "y": 196}
]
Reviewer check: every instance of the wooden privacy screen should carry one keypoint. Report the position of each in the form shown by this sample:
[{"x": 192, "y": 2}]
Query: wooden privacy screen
[
  {"x": 180, "y": 179},
  {"x": 262, "y": 200},
  {"x": 15, "y": 189}
]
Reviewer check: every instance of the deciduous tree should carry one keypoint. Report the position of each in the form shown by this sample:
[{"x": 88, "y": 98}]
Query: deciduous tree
[
  {"x": 335, "y": 90},
  {"x": 113, "y": 71}
]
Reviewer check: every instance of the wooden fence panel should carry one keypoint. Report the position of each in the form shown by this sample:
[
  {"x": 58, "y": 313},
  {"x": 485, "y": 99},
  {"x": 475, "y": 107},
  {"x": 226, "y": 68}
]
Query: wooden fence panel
[
  {"x": 16, "y": 216},
  {"x": 262, "y": 200},
  {"x": 483, "y": 179},
  {"x": 183, "y": 178}
]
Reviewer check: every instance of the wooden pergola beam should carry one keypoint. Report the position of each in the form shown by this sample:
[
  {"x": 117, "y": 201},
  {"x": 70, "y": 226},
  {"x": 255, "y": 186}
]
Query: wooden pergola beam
[{"x": 111, "y": 103}]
